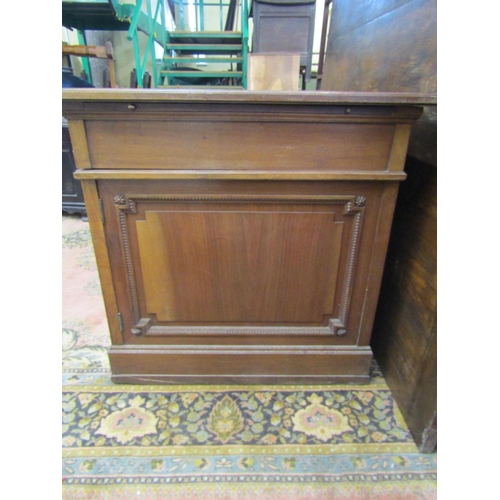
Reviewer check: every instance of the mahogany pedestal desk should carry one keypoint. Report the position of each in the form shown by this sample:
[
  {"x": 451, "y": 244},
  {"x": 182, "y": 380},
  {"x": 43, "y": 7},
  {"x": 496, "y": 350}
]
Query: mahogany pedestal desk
[{"x": 240, "y": 236}]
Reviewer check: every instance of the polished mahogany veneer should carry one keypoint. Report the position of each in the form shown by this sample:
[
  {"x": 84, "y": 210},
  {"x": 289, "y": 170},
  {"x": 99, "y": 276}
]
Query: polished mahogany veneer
[{"x": 240, "y": 236}]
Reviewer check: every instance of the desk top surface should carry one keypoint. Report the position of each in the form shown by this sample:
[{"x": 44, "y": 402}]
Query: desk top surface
[{"x": 249, "y": 97}]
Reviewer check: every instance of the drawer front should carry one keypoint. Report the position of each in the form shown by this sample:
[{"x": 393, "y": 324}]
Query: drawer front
[{"x": 205, "y": 145}]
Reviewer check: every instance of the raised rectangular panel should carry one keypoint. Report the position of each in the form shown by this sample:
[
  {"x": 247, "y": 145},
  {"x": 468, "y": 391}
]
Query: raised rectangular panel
[{"x": 239, "y": 264}]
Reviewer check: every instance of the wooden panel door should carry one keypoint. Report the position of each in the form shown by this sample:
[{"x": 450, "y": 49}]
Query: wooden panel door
[{"x": 240, "y": 263}]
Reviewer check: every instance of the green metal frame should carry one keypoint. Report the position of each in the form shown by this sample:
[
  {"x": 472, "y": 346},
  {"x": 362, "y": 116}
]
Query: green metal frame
[
  {"x": 156, "y": 31},
  {"x": 153, "y": 24},
  {"x": 244, "y": 41}
]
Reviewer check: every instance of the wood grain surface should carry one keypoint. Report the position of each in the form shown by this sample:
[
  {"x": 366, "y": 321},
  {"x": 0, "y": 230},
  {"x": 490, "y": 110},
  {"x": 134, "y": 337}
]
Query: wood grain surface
[
  {"x": 405, "y": 332},
  {"x": 382, "y": 46},
  {"x": 222, "y": 145},
  {"x": 79, "y": 96},
  {"x": 390, "y": 46}
]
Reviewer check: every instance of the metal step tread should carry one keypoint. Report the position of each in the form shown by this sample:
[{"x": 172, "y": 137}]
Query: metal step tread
[
  {"x": 208, "y": 59},
  {"x": 201, "y": 48},
  {"x": 205, "y": 37},
  {"x": 211, "y": 87},
  {"x": 207, "y": 34},
  {"x": 202, "y": 74}
]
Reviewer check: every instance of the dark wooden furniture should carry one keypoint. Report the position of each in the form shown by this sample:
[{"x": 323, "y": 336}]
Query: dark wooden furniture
[
  {"x": 240, "y": 236},
  {"x": 391, "y": 47},
  {"x": 72, "y": 194},
  {"x": 405, "y": 331},
  {"x": 383, "y": 46}
]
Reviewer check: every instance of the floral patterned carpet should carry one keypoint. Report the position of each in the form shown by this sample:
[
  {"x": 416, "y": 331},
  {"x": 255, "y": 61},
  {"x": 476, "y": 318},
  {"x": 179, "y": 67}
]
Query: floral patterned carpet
[{"x": 221, "y": 442}]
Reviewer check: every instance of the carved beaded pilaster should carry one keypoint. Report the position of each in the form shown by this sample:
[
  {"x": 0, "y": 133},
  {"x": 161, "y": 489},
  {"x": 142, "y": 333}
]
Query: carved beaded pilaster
[
  {"x": 350, "y": 271},
  {"x": 130, "y": 273}
]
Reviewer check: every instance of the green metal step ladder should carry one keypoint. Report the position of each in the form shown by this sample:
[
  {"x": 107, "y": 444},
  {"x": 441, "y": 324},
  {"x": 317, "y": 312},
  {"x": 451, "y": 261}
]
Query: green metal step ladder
[
  {"x": 185, "y": 51},
  {"x": 188, "y": 50}
]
